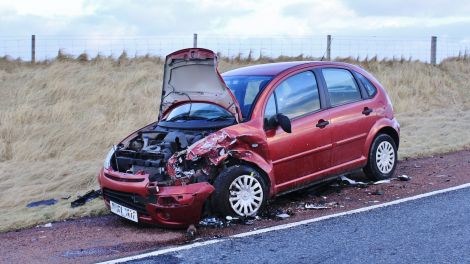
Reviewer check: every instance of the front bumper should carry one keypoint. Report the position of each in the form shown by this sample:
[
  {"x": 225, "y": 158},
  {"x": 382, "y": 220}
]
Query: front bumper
[{"x": 169, "y": 206}]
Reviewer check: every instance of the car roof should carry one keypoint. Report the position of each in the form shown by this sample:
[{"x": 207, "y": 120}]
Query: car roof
[{"x": 272, "y": 69}]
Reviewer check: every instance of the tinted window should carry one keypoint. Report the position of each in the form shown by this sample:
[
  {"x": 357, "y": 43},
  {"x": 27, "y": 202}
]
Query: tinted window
[
  {"x": 246, "y": 89},
  {"x": 298, "y": 95},
  {"x": 370, "y": 88},
  {"x": 342, "y": 87}
]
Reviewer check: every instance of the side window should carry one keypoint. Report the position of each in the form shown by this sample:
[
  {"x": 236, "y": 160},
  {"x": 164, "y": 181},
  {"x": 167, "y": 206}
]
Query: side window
[
  {"x": 370, "y": 88},
  {"x": 342, "y": 87},
  {"x": 270, "y": 109},
  {"x": 298, "y": 95}
]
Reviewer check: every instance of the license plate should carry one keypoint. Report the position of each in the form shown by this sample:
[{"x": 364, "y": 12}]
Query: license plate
[{"x": 124, "y": 211}]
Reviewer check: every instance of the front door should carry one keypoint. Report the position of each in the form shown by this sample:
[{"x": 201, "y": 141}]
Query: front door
[{"x": 298, "y": 157}]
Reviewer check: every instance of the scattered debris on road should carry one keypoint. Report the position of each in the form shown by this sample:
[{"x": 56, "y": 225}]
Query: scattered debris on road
[
  {"x": 282, "y": 216},
  {"x": 382, "y": 181},
  {"x": 240, "y": 220},
  {"x": 316, "y": 206},
  {"x": 42, "y": 202},
  {"x": 404, "y": 177},
  {"x": 191, "y": 232},
  {"x": 211, "y": 222},
  {"x": 45, "y": 225},
  {"x": 351, "y": 182},
  {"x": 377, "y": 192},
  {"x": 85, "y": 198}
]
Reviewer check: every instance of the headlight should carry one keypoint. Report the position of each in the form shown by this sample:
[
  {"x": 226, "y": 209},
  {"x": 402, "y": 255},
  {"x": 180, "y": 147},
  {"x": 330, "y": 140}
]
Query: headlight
[{"x": 107, "y": 160}]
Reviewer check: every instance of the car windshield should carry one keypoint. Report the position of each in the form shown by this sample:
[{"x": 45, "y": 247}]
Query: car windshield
[
  {"x": 198, "y": 111},
  {"x": 246, "y": 89}
]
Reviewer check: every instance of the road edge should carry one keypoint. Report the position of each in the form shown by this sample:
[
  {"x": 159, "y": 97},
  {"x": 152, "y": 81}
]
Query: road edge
[{"x": 285, "y": 226}]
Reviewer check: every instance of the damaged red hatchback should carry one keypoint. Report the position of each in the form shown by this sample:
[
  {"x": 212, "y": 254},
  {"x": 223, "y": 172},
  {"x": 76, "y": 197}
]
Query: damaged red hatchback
[{"x": 226, "y": 144}]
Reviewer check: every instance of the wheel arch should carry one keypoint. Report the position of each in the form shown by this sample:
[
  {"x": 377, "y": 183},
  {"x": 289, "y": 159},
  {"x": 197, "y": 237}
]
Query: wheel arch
[
  {"x": 383, "y": 126},
  {"x": 392, "y": 133},
  {"x": 261, "y": 169}
]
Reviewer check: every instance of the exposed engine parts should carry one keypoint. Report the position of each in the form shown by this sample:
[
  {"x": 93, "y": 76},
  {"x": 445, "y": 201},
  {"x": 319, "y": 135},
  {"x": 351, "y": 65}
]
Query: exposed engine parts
[{"x": 149, "y": 152}]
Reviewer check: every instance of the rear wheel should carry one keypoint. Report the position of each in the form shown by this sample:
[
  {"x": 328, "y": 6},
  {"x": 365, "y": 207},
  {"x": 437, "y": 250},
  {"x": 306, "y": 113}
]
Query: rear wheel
[
  {"x": 239, "y": 191},
  {"x": 382, "y": 160}
]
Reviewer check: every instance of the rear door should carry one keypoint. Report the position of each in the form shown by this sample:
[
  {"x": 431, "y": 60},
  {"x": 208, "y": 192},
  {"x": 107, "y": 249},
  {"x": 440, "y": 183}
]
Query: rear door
[
  {"x": 298, "y": 156},
  {"x": 351, "y": 118}
]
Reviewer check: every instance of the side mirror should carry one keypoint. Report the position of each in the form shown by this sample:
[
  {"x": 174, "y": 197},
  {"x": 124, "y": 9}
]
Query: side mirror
[
  {"x": 280, "y": 120},
  {"x": 284, "y": 123}
]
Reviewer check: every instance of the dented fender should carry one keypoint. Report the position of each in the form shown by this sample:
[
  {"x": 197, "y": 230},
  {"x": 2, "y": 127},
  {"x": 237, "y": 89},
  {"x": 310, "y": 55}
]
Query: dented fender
[{"x": 239, "y": 142}]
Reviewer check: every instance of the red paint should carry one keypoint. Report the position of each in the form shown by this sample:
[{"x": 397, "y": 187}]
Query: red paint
[{"x": 289, "y": 161}]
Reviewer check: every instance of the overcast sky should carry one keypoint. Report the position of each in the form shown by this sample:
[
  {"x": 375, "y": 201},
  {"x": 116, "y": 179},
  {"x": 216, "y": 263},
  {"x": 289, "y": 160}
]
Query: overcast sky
[
  {"x": 134, "y": 17},
  {"x": 127, "y": 18}
]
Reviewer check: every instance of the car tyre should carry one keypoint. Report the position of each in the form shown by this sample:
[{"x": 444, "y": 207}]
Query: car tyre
[
  {"x": 240, "y": 190},
  {"x": 383, "y": 158}
]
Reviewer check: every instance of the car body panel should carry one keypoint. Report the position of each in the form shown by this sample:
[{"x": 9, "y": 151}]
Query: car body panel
[
  {"x": 298, "y": 154},
  {"x": 172, "y": 206},
  {"x": 191, "y": 75}
]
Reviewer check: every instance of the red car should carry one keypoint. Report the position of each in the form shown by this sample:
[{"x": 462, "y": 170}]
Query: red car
[{"x": 224, "y": 145}]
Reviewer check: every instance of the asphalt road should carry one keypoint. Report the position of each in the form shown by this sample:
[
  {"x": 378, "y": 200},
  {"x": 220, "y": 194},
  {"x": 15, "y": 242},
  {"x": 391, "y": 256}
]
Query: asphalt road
[{"x": 435, "y": 229}]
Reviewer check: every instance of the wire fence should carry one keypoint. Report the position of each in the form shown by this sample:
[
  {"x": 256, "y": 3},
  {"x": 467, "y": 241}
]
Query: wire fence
[{"x": 419, "y": 48}]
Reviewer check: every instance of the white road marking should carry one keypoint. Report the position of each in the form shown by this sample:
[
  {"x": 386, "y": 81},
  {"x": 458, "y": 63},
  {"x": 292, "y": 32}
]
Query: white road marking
[{"x": 285, "y": 226}]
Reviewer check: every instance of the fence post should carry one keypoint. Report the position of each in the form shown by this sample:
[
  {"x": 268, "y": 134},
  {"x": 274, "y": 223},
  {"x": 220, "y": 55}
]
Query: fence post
[
  {"x": 33, "y": 49},
  {"x": 328, "y": 47},
  {"x": 195, "y": 40},
  {"x": 433, "y": 50}
]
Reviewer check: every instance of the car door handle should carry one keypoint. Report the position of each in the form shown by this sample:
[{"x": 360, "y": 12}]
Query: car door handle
[
  {"x": 322, "y": 123},
  {"x": 367, "y": 111}
]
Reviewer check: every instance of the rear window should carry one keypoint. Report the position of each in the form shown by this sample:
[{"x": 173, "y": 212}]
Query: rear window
[
  {"x": 370, "y": 88},
  {"x": 341, "y": 85}
]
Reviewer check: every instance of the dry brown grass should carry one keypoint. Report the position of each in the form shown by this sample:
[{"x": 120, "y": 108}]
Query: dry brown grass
[{"x": 58, "y": 119}]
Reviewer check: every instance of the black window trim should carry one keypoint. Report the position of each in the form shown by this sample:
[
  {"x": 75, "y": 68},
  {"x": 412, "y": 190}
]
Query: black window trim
[
  {"x": 322, "y": 96},
  {"x": 325, "y": 88}
]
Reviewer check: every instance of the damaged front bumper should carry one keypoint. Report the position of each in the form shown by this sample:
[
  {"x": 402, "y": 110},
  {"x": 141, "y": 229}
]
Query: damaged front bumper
[{"x": 169, "y": 206}]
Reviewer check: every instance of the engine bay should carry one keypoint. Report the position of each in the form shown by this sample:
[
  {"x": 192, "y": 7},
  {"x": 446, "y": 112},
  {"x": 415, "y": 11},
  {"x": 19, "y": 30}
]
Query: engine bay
[{"x": 149, "y": 151}]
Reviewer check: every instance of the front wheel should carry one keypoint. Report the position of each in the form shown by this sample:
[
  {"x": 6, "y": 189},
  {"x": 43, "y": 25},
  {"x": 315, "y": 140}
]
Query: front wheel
[
  {"x": 239, "y": 191},
  {"x": 382, "y": 159}
]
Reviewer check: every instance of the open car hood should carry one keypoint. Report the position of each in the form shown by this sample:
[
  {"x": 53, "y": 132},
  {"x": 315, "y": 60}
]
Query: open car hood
[{"x": 191, "y": 75}]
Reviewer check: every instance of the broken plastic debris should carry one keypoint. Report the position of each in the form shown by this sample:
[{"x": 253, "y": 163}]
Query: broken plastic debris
[
  {"x": 45, "y": 225},
  {"x": 404, "y": 177},
  {"x": 382, "y": 181},
  {"x": 191, "y": 232},
  {"x": 377, "y": 192},
  {"x": 211, "y": 222},
  {"x": 247, "y": 220},
  {"x": 316, "y": 206},
  {"x": 85, "y": 198},
  {"x": 42, "y": 202},
  {"x": 352, "y": 182},
  {"x": 282, "y": 216}
]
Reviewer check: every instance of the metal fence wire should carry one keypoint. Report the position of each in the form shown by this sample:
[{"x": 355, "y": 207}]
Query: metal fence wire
[{"x": 361, "y": 47}]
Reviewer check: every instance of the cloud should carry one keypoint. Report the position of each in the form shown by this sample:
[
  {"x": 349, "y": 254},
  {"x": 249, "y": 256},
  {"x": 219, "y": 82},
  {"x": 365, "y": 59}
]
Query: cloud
[
  {"x": 93, "y": 21},
  {"x": 401, "y": 8}
]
